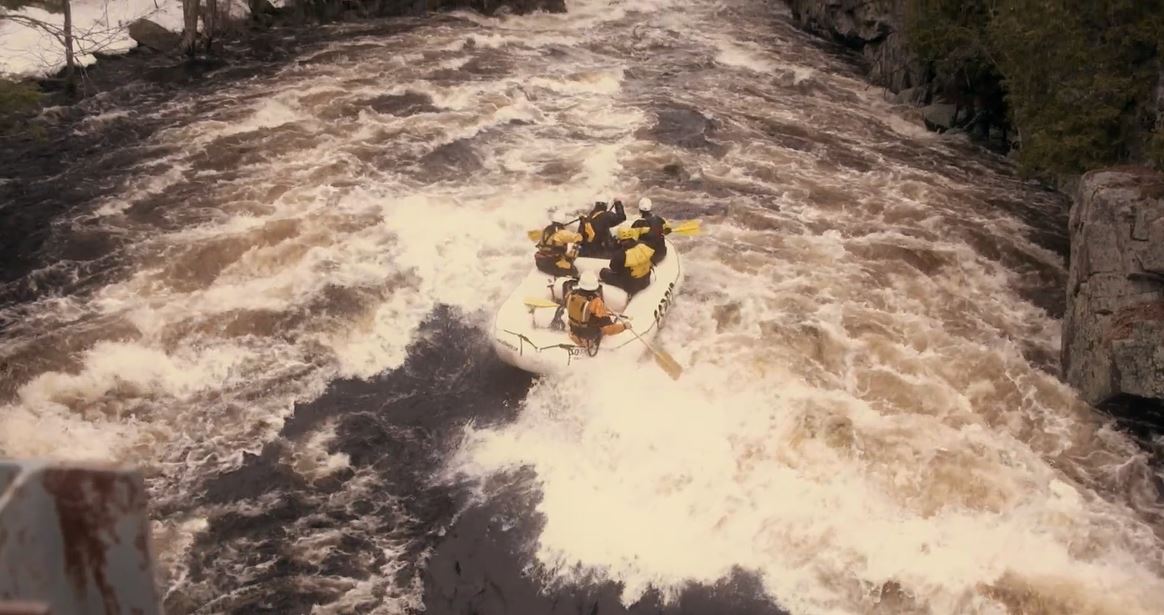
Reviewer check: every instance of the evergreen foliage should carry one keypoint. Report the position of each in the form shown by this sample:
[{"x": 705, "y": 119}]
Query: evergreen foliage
[
  {"x": 1079, "y": 76},
  {"x": 18, "y": 102}
]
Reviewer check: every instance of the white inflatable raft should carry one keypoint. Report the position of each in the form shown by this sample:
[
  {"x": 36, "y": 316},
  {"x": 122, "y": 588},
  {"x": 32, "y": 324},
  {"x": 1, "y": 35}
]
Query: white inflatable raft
[{"x": 523, "y": 337}]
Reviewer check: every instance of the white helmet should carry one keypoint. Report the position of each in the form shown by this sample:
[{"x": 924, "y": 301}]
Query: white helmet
[
  {"x": 645, "y": 205},
  {"x": 588, "y": 281}
]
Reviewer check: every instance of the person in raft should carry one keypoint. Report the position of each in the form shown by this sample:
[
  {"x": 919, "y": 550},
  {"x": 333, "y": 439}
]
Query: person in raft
[
  {"x": 556, "y": 251},
  {"x": 595, "y": 229},
  {"x": 588, "y": 315},
  {"x": 630, "y": 267},
  {"x": 656, "y": 227}
]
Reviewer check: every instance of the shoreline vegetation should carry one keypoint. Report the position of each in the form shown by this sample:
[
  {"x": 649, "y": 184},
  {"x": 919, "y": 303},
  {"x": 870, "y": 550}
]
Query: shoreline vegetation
[
  {"x": 1060, "y": 88},
  {"x": 1078, "y": 85},
  {"x": 212, "y": 33}
]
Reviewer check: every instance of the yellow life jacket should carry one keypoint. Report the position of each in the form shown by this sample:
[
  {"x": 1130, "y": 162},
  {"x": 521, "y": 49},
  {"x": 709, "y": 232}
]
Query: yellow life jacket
[
  {"x": 557, "y": 236},
  {"x": 638, "y": 260},
  {"x": 578, "y": 313},
  {"x": 586, "y": 228},
  {"x": 553, "y": 245},
  {"x": 563, "y": 237},
  {"x": 547, "y": 234}
]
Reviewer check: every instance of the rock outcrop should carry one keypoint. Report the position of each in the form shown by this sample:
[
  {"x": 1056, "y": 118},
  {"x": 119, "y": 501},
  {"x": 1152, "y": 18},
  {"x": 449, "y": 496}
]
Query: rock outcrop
[
  {"x": 871, "y": 27},
  {"x": 152, "y": 36},
  {"x": 1113, "y": 333},
  {"x": 876, "y": 30}
]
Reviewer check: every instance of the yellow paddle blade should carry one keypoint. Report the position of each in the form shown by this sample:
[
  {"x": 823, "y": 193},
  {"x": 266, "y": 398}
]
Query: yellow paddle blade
[
  {"x": 620, "y": 232},
  {"x": 668, "y": 363},
  {"x": 537, "y": 303},
  {"x": 534, "y": 235},
  {"x": 665, "y": 361},
  {"x": 687, "y": 227}
]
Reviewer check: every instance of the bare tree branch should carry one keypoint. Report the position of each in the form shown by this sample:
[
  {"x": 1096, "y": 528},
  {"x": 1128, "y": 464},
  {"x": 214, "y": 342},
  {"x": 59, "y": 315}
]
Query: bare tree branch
[
  {"x": 93, "y": 38},
  {"x": 32, "y": 22}
]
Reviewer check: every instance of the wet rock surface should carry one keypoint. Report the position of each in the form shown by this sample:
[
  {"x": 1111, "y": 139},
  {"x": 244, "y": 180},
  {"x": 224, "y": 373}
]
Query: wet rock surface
[
  {"x": 1114, "y": 325},
  {"x": 870, "y": 27}
]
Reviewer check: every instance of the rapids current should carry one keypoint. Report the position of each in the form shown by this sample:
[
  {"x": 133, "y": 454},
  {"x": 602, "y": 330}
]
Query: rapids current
[{"x": 277, "y": 304}]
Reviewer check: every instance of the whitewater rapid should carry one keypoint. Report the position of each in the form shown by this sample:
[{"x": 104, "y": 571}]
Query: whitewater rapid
[{"x": 869, "y": 419}]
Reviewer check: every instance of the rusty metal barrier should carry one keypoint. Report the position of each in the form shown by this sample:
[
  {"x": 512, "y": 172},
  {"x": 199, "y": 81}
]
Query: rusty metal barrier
[{"x": 74, "y": 539}]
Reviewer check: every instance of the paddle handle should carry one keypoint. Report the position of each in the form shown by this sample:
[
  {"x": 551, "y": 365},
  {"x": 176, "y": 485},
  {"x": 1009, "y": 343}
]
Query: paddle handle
[{"x": 637, "y": 336}]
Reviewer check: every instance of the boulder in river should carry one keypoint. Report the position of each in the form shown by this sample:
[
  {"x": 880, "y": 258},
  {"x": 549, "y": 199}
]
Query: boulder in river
[
  {"x": 909, "y": 96},
  {"x": 151, "y": 35},
  {"x": 940, "y": 117},
  {"x": 1113, "y": 332}
]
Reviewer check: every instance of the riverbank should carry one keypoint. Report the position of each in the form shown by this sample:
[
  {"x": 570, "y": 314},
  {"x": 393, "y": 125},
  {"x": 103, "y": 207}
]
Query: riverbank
[{"x": 1115, "y": 295}]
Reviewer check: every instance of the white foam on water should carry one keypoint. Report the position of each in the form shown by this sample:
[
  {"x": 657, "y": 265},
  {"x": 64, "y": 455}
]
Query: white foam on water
[
  {"x": 826, "y": 491},
  {"x": 748, "y": 56},
  {"x": 857, "y": 424},
  {"x": 857, "y": 421},
  {"x": 585, "y": 82},
  {"x": 171, "y": 542},
  {"x": 272, "y": 112},
  {"x": 55, "y": 431},
  {"x": 311, "y": 262},
  {"x": 147, "y": 185},
  {"x": 309, "y": 456}
]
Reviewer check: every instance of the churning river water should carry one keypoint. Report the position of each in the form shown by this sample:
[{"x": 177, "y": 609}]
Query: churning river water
[{"x": 275, "y": 299}]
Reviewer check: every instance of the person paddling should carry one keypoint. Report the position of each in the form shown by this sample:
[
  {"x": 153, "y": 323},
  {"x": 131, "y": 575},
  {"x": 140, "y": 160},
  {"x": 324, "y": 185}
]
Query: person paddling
[
  {"x": 656, "y": 227},
  {"x": 595, "y": 229},
  {"x": 557, "y": 250},
  {"x": 630, "y": 267},
  {"x": 588, "y": 315}
]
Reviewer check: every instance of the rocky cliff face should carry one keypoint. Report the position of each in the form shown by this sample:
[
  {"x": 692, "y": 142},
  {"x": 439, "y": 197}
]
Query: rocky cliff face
[
  {"x": 1113, "y": 333},
  {"x": 875, "y": 29},
  {"x": 871, "y": 27}
]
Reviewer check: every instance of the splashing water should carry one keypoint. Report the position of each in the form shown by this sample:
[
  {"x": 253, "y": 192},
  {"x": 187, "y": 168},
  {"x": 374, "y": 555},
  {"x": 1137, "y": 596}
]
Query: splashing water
[{"x": 869, "y": 419}]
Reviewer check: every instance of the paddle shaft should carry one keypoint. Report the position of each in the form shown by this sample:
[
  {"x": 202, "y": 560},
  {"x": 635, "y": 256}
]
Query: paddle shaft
[{"x": 665, "y": 361}]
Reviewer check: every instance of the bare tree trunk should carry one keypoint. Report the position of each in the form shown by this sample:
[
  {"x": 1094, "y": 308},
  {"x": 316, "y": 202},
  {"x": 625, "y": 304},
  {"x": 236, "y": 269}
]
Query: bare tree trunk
[
  {"x": 70, "y": 61},
  {"x": 210, "y": 22},
  {"x": 190, "y": 25}
]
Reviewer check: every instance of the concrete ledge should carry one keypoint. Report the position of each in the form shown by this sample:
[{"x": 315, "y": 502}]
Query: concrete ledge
[
  {"x": 74, "y": 539},
  {"x": 24, "y": 608}
]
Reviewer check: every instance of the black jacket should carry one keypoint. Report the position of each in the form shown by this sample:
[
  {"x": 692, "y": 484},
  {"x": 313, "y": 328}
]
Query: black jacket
[
  {"x": 653, "y": 237},
  {"x": 653, "y": 222},
  {"x": 601, "y": 222}
]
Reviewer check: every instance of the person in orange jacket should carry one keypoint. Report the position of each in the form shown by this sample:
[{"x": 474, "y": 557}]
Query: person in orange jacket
[{"x": 588, "y": 315}]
